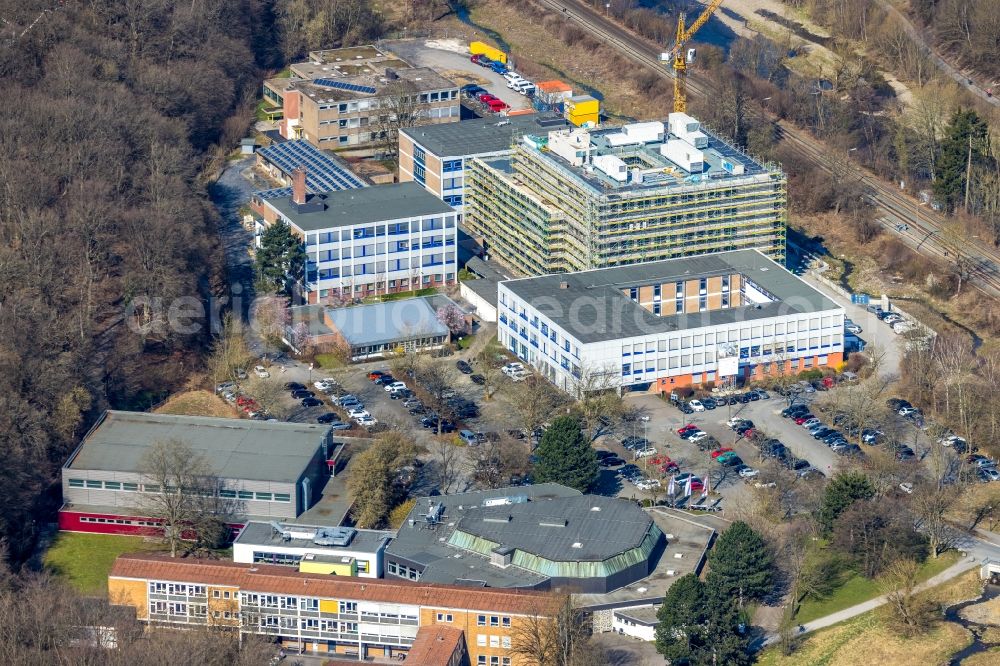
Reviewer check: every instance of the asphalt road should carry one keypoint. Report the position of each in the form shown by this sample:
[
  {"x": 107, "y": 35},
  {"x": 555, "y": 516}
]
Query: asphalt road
[{"x": 926, "y": 225}]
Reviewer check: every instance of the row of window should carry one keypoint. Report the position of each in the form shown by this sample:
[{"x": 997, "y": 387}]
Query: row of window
[
  {"x": 394, "y": 266},
  {"x": 366, "y": 104},
  {"x": 482, "y": 640},
  {"x": 453, "y": 199},
  {"x": 177, "y": 589},
  {"x": 402, "y": 571},
  {"x": 449, "y": 166},
  {"x": 688, "y": 361},
  {"x": 380, "y": 230},
  {"x": 494, "y": 660},
  {"x": 401, "y": 283},
  {"x": 372, "y": 249},
  {"x": 493, "y": 621},
  {"x": 119, "y": 521},
  {"x": 178, "y": 608},
  {"x": 125, "y": 486}
]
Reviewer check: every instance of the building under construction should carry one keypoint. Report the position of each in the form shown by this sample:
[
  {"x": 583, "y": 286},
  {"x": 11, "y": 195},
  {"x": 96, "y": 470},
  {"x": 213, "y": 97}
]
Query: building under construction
[{"x": 573, "y": 200}]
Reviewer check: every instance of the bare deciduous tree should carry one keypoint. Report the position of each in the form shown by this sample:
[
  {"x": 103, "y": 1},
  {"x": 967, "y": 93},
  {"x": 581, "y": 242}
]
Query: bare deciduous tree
[{"x": 182, "y": 492}]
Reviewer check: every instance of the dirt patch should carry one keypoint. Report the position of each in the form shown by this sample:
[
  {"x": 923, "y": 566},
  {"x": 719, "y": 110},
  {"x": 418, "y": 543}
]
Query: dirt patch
[
  {"x": 464, "y": 78},
  {"x": 987, "y": 612},
  {"x": 197, "y": 403}
]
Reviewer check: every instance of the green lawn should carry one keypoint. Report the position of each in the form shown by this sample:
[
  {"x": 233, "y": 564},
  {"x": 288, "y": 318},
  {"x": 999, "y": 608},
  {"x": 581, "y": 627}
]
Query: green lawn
[
  {"x": 84, "y": 560},
  {"x": 857, "y": 589},
  {"x": 466, "y": 342},
  {"x": 329, "y": 361}
]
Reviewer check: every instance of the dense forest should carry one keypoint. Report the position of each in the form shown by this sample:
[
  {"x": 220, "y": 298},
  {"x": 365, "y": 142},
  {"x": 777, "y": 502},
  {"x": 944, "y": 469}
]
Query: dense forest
[{"x": 117, "y": 114}]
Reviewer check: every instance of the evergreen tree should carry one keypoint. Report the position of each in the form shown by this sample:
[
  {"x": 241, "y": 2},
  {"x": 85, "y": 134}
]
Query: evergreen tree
[
  {"x": 965, "y": 145},
  {"x": 844, "y": 490},
  {"x": 565, "y": 456},
  {"x": 699, "y": 625},
  {"x": 740, "y": 564},
  {"x": 281, "y": 258}
]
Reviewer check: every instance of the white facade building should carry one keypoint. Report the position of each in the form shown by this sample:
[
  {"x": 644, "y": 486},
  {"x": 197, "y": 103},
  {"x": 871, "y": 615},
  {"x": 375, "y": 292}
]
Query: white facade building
[
  {"x": 287, "y": 544},
  {"x": 670, "y": 324},
  {"x": 375, "y": 240}
]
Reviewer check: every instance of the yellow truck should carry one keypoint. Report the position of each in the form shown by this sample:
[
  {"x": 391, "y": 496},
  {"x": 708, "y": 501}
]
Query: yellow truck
[{"x": 479, "y": 48}]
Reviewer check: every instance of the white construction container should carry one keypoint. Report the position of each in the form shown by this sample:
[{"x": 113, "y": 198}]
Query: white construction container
[
  {"x": 684, "y": 155},
  {"x": 611, "y": 166},
  {"x": 644, "y": 132},
  {"x": 681, "y": 124},
  {"x": 571, "y": 145}
]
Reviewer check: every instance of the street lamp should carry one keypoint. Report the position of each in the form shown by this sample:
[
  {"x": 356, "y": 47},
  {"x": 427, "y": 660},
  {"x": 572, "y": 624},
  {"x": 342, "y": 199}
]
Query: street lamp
[{"x": 607, "y": 9}]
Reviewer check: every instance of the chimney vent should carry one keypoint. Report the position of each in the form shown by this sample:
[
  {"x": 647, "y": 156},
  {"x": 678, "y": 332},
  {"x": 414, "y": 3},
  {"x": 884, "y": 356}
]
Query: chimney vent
[
  {"x": 564, "y": 285},
  {"x": 299, "y": 185}
]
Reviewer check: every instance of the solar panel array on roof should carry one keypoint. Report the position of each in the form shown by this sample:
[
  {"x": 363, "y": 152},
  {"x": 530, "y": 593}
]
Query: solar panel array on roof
[
  {"x": 276, "y": 193},
  {"x": 323, "y": 173},
  {"x": 343, "y": 85}
]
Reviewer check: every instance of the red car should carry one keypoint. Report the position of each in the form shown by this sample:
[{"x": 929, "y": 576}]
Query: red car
[
  {"x": 719, "y": 452},
  {"x": 802, "y": 419},
  {"x": 486, "y": 98},
  {"x": 475, "y": 58},
  {"x": 688, "y": 428},
  {"x": 669, "y": 466}
]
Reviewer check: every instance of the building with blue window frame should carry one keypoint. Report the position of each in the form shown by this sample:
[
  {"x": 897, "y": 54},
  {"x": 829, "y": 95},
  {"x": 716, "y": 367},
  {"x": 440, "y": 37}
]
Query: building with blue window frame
[
  {"x": 374, "y": 240},
  {"x": 435, "y": 155},
  {"x": 730, "y": 316}
]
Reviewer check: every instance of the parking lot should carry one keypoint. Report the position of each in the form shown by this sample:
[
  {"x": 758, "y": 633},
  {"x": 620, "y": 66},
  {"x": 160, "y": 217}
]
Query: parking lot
[{"x": 451, "y": 58}]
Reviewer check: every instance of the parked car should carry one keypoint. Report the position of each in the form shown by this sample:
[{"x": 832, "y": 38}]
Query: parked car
[
  {"x": 685, "y": 408},
  {"x": 304, "y": 393},
  {"x": 632, "y": 442},
  {"x": 698, "y": 436},
  {"x": 644, "y": 452},
  {"x": 478, "y": 379},
  {"x": 613, "y": 461},
  {"x": 647, "y": 484},
  {"x": 375, "y": 374},
  {"x": 684, "y": 429},
  {"x": 746, "y": 472},
  {"x": 311, "y": 402},
  {"x": 852, "y": 328},
  {"x": 708, "y": 403},
  {"x": 696, "y": 406},
  {"x": 261, "y": 371},
  {"x": 468, "y": 437},
  {"x": 907, "y": 410},
  {"x": 394, "y": 386},
  {"x": 294, "y": 386},
  {"x": 329, "y": 417},
  {"x": 688, "y": 434},
  {"x": 719, "y": 452},
  {"x": 464, "y": 367},
  {"x": 681, "y": 480}
]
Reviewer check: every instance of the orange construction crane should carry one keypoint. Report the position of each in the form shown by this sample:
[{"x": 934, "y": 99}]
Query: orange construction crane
[{"x": 682, "y": 56}]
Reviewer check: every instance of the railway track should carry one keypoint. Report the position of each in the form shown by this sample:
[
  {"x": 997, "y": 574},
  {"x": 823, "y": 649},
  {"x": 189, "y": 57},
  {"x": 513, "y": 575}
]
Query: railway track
[{"x": 916, "y": 226}]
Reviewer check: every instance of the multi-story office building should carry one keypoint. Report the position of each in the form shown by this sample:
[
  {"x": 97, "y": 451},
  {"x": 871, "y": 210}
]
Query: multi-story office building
[
  {"x": 668, "y": 324},
  {"x": 435, "y": 155},
  {"x": 374, "y": 240},
  {"x": 104, "y": 480},
  {"x": 574, "y": 200},
  {"x": 335, "y": 615},
  {"x": 343, "y": 98}
]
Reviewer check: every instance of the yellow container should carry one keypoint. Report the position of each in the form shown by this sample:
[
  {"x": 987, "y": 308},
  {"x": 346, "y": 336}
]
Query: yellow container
[
  {"x": 479, "y": 48},
  {"x": 347, "y": 567}
]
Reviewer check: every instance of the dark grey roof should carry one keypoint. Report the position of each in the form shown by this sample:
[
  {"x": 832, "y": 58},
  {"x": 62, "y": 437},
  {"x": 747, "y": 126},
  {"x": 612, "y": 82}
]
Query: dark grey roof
[
  {"x": 362, "y": 206},
  {"x": 592, "y": 307},
  {"x": 428, "y": 547},
  {"x": 262, "y": 534},
  {"x": 383, "y": 323},
  {"x": 480, "y": 136},
  {"x": 485, "y": 288},
  {"x": 235, "y": 448},
  {"x": 583, "y": 528},
  {"x": 487, "y": 269}
]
